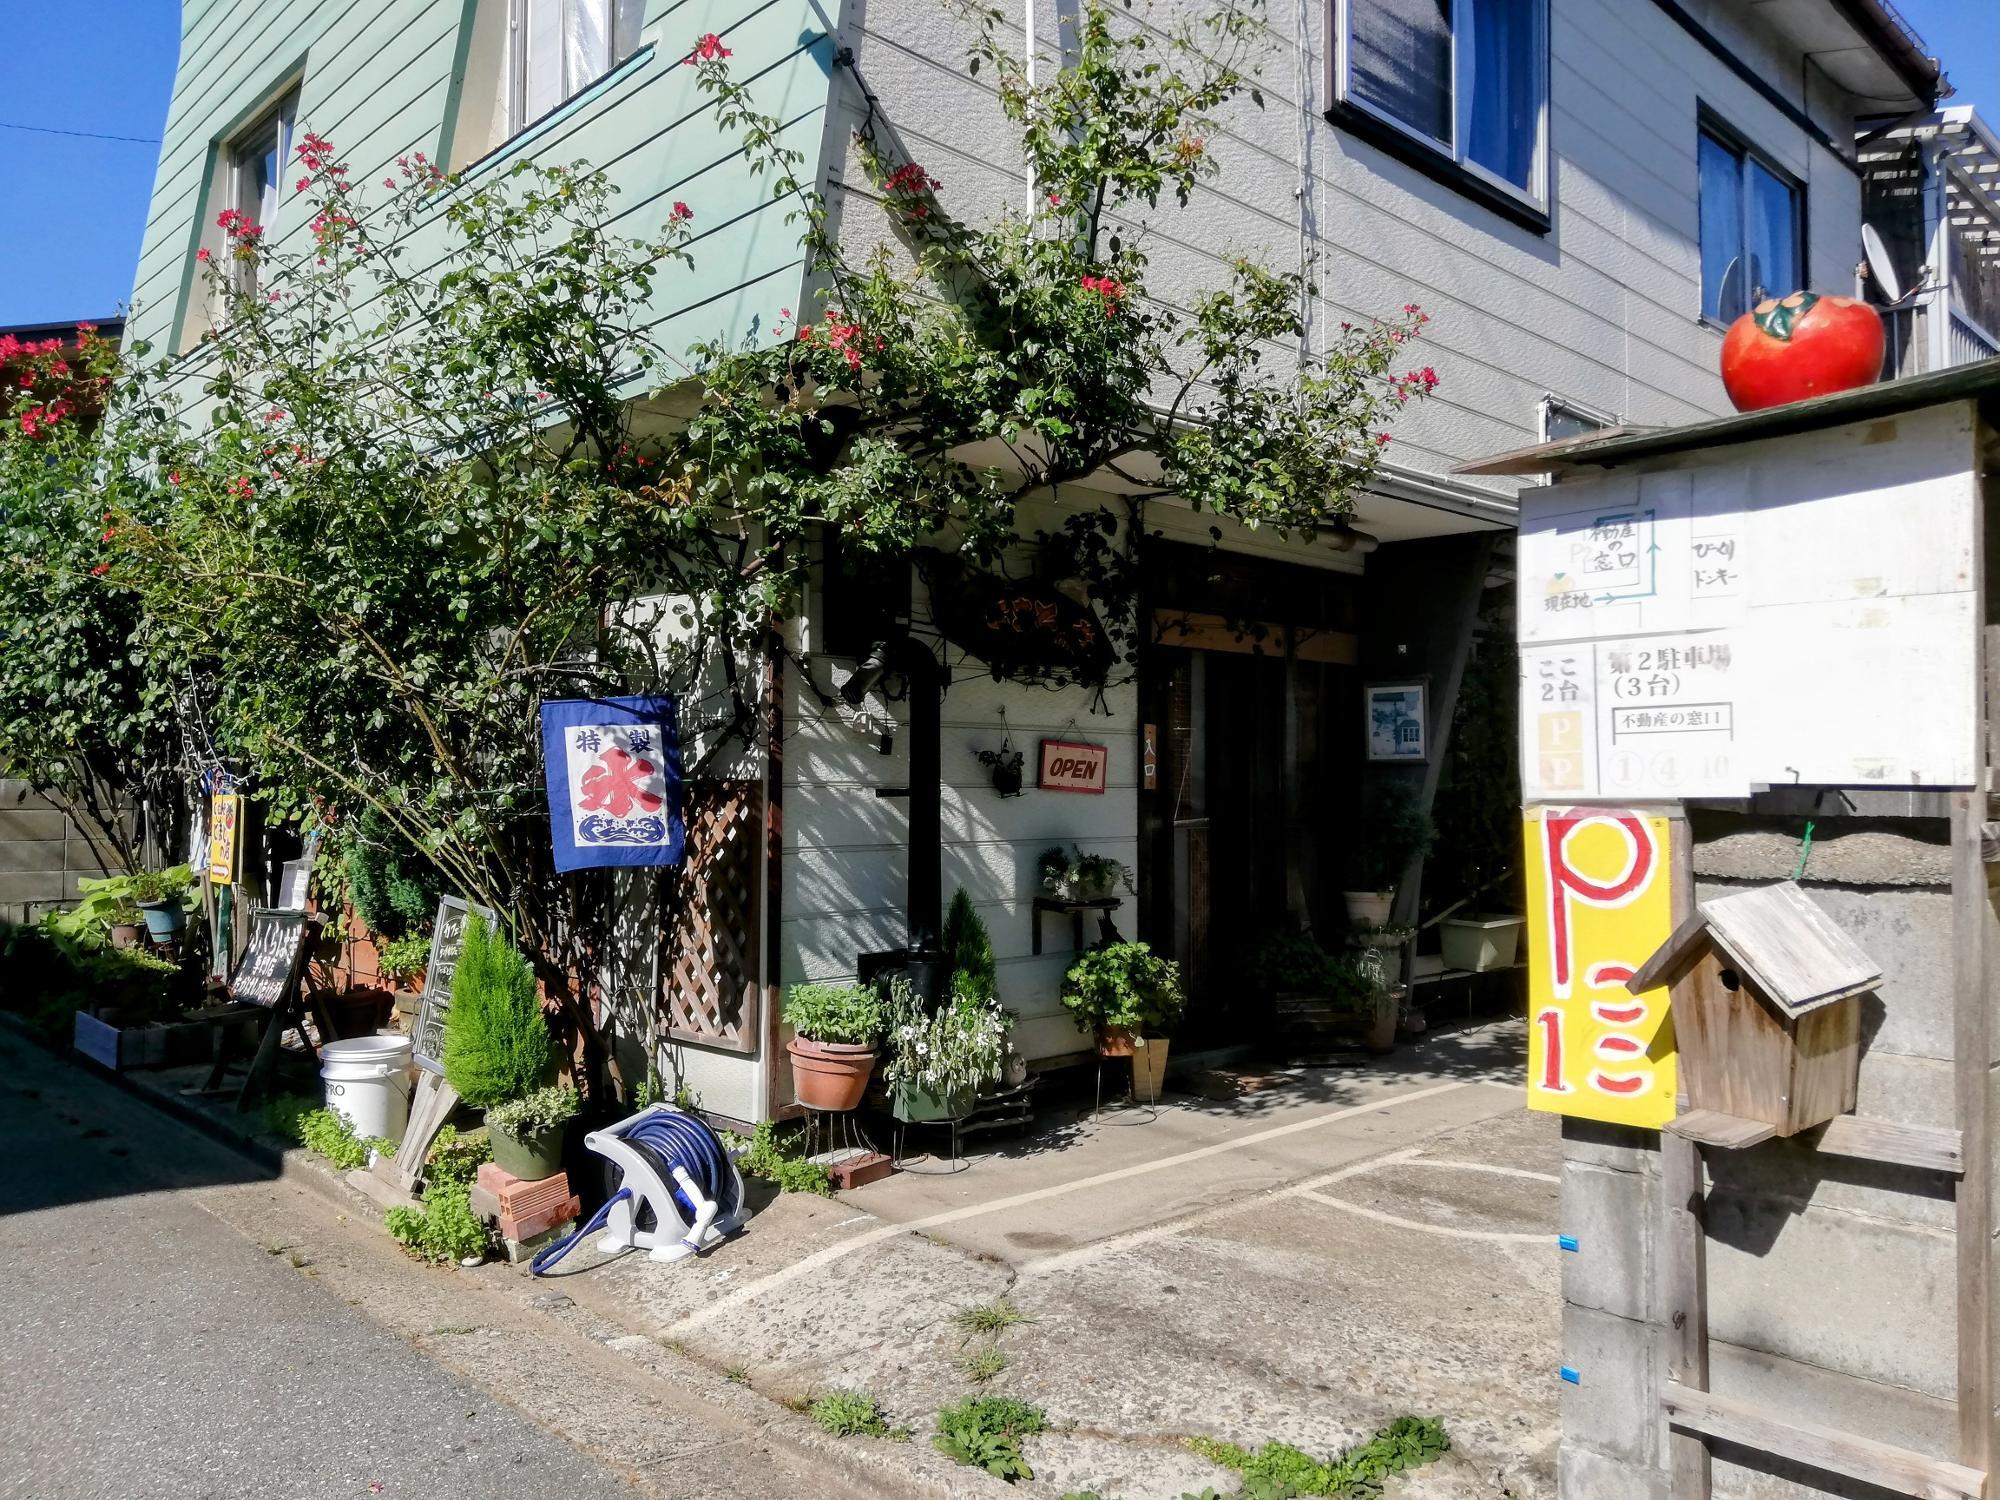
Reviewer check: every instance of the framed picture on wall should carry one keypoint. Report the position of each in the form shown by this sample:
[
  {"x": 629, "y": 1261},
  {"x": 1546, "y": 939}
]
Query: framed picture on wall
[{"x": 1395, "y": 716}]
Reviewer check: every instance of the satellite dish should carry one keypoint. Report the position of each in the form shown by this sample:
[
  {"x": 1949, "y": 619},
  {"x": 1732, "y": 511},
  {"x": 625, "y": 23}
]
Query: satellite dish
[
  {"x": 1733, "y": 292},
  {"x": 1880, "y": 266}
]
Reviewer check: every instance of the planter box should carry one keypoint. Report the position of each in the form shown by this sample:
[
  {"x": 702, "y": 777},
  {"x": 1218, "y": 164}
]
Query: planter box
[
  {"x": 161, "y": 1045},
  {"x": 1480, "y": 943}
]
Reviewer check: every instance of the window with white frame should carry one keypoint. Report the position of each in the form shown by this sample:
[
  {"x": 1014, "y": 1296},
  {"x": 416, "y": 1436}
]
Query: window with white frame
[
  {"x": 258, "y": 157},
  {"x": 1466, "y": 78},
  {"x": 1752, "y": 226},
  {"x": 557, "y": 48}
]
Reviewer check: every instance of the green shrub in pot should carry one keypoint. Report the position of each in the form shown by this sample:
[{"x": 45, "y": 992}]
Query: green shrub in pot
[
  {"x": 496, "y": 1044},
  {"x": 847, "y": 1014}
]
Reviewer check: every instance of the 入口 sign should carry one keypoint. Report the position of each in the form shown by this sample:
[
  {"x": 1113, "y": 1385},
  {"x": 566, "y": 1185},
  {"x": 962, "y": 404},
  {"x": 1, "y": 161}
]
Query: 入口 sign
[{"x": 1070, "y": 766}]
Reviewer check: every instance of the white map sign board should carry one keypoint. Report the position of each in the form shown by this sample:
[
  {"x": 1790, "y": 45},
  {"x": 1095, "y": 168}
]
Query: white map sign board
[{"x": 1798, "y": 611}]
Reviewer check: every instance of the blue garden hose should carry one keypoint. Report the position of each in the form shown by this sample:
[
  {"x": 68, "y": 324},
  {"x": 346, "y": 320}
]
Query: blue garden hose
[
  {"x": 548, "y": 1255},
  {"x": 667, "y": 1139}
]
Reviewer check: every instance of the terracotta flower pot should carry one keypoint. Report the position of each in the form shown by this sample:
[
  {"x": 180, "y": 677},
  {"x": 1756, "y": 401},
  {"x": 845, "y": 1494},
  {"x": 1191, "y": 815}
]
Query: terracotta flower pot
[
  {"x": 127, "y": 934},
  {"x": 1114, "y": 1041},
  {"x": 829, "y": 1075}
]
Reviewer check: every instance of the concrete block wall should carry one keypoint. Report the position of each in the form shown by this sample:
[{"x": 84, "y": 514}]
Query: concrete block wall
[
  {"x": 41, "y": 854},
  {"x": 1830, "y": 1282}
]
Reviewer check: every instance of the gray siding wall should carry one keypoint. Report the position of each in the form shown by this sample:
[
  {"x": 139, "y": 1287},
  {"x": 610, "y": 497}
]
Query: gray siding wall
[{"x": 1602, "y": 309}]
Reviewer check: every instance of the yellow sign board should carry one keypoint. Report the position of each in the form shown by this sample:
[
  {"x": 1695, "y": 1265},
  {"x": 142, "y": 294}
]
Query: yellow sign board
[
  {"x": 1599, "y": 903},
  {"x": 225, "y": 811}
]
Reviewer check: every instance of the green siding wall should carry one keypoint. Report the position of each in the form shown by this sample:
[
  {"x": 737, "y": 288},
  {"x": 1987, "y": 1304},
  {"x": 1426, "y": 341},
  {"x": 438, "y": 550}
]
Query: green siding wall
[{"x": 376, "y": 78}]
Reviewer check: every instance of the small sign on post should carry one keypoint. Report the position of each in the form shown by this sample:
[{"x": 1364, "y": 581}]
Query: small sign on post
[
  {"x": 1071, "y": 766},
  {"x": 225, "y": 815}
]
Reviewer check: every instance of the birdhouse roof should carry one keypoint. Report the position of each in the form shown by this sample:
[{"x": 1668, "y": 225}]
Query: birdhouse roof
[{"x": 1777, "y": 939}]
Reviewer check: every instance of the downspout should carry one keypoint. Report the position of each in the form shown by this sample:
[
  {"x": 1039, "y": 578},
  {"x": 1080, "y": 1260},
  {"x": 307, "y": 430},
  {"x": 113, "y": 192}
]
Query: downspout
[
  {"x": 924, "y": 908},
  {"x": 1937, "y": 252}
]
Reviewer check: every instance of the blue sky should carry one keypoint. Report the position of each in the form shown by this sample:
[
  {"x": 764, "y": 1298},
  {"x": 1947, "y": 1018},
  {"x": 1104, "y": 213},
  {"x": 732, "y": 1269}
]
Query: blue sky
[{"x": 72, "y": 208}]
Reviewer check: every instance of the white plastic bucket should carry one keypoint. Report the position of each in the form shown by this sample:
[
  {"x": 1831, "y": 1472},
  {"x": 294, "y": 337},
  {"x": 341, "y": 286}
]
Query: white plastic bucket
[{"x": 367, "y": 1082}]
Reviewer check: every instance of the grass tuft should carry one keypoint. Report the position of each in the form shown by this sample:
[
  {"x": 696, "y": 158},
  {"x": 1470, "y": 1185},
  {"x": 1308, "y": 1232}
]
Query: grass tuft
[
  {"x": 988, "y": 1317},
  {"x": 849, "y": 1414}
]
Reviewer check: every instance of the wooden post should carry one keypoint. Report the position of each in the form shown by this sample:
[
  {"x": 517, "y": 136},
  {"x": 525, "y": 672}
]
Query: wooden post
[{"x": 1684, "y": 1238}]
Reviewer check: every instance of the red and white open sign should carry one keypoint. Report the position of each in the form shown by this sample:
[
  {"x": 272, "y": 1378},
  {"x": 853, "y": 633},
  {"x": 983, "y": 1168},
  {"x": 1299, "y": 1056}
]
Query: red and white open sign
[{"x": 1068, "y": 766}]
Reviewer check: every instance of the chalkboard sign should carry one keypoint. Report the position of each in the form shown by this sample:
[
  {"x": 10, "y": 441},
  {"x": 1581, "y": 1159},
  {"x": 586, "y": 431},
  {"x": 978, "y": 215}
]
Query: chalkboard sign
[
  {"x": 447, "y": 938},
  {"x": 269, "y": 966}
]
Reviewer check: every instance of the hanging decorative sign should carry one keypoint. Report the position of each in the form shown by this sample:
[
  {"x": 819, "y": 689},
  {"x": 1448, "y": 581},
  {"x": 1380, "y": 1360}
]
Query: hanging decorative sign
[
  {"x": 1016, "y": 625},
  {"x": 613, "y": 767},
  {"x": 1069, "y": 766},
  {"x": 447, "y": 942},
  {"x": 1599, "y": 904},
  {"x": 225, "y": 816}
]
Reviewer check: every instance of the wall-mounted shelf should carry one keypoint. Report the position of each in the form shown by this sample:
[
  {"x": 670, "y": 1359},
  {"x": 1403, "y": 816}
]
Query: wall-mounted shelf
[{"x": 1075, "y": 910}]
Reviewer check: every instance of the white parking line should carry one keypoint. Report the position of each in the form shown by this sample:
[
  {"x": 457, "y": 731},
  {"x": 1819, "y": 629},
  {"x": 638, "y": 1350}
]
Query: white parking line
[
  {"x": 1498, "y": 1236},
  {"x": 827, "y": 1255},
  {"x": 1480, "y": 1166}
]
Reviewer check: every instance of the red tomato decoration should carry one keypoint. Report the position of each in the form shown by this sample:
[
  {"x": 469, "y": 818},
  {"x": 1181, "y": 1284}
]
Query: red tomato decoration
[{"x": 1803, "y": 345}]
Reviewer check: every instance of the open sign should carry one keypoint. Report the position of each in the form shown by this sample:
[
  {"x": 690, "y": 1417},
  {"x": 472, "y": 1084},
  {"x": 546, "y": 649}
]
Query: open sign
[{"x": 1068, "y": 766}]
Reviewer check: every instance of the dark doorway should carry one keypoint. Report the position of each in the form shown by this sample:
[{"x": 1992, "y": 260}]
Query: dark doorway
[{"x": 1257, "y": 721}]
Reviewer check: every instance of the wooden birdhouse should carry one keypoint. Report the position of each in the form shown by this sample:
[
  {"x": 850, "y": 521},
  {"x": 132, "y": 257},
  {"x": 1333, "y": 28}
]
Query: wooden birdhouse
[{"x": 1767, "y": 1014}]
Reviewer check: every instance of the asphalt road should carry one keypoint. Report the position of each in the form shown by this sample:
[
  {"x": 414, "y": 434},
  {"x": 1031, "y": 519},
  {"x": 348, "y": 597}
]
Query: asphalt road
[{"x": 149, "y": 1349}]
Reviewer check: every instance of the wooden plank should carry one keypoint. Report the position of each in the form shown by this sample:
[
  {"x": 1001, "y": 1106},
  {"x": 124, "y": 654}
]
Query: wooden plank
[
  {"x": 1191, "y": 630},
  {"x": 1901, "y": 1471},
  {"x": 1928, "y": 1147},
  {"x": 1711, "y": 1127},
  {"x": 430, "y": 1106},
  {"x": 1683, "y": 1246},
  {"x": 1676, "y": 955}
]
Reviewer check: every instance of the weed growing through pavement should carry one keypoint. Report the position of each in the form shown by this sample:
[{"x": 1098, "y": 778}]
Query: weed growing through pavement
[{"x": 988, "y": 1317}]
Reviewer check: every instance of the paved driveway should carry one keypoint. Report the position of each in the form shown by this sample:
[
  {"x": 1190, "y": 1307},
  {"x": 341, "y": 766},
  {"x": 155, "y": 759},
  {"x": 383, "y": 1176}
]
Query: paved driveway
[{"x": 1303, "y": 1261}]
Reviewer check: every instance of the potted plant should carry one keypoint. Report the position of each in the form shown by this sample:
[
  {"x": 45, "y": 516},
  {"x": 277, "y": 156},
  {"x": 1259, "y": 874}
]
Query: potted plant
[
  {"x": 496, "y": 1044},
  {"x": 1071, "y": 875},
  {"x": 1131, "y": 998},
  {"x": 164, "y": 898},
  {"x": 107, "y": 911},
  {"x": 938, "y": 1059},
  {"x": 1376, "y": 999},
  {"x": 1318, "y": 989},
  {"x": 1479, "y": 942},
  {"x": 527, "y": 1133},
  {"x": 400, "y": 961},
  {"x": 836, "y": 1028},
  {"x": 1391, "y": 831},
  {"x": 1004, "y": 764}
]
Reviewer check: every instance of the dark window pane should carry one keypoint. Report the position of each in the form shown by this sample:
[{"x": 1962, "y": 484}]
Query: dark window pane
[
  {"x": 1399, "y": 61},
  {"x": 1500, "y": 70},
  {"x": 1774, "y": 235},
  {"x": 1723, "y": 275}
]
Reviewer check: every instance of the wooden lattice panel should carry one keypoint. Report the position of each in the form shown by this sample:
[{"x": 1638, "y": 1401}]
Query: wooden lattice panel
[{"x": 711, "y": 970}]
